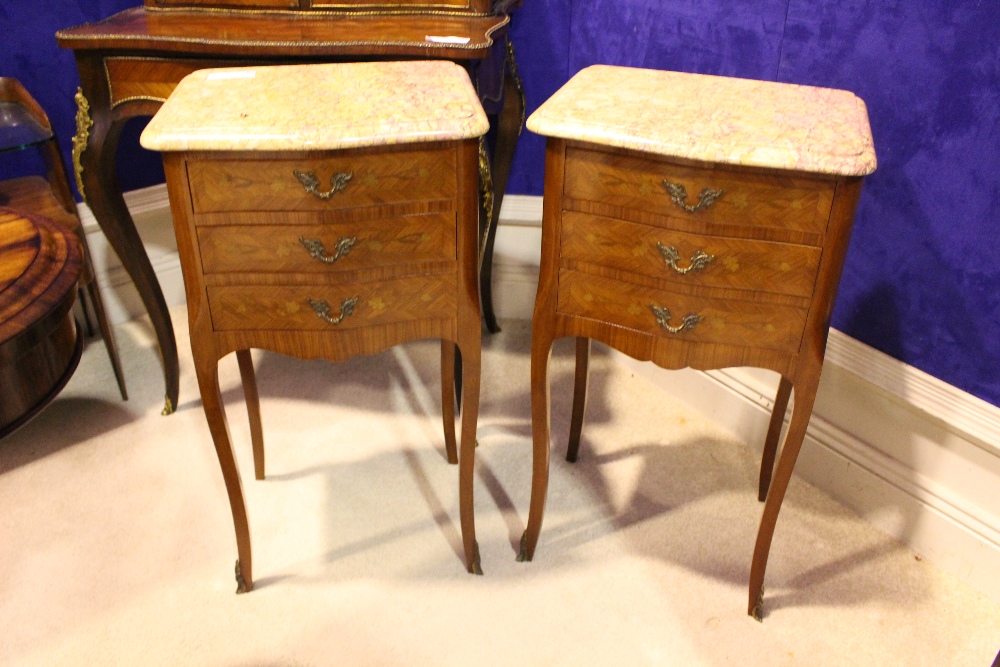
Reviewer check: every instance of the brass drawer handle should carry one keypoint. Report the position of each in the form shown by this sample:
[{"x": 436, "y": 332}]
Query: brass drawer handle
[
  {"x": 322, "y": 309},
  {"x": 678, "y": 195},
  {"x": 317, "y": 250},
  {"x": 309, "y": 181},
  {"x": 699, "y": 260},
  {"x": 663, "y": 319}
]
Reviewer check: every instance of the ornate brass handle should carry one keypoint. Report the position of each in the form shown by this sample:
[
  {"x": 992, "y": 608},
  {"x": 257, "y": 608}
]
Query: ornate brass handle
[
  {"x": 317, "y": 250},
  {"x": 699, "y": 260},
  {"x": 663, "y": 319},
  {"x": 309, "y": 181},
  {"x": 322, "y": 309},
  {"x": 678, "y": 195}
]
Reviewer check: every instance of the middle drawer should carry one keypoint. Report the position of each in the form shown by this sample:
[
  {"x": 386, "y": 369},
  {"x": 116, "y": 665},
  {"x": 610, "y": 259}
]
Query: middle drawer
[
  {"x": 319, "y": 184},
  {"x": 690, "y": 259},
  {"x": 322, "y": 248}
]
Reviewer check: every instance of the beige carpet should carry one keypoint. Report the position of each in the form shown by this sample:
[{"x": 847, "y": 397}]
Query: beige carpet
[{"x": 117, "y": 547}]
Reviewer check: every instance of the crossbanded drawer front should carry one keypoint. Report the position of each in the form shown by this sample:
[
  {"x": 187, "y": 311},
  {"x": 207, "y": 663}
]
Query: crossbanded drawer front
[
  {"x": 680, "y": 316},
  {"x": 690, "y": 259},
  {"x": 699, "y": 194},
  {"x": 477, "y": 6},
  {"x": 146, "y": 78},
  {"x": 332, "y": 307},
  {"x": 319, "y": 184},
  {"x": 327, "y": 248},
  {"x": 399, "y": 4},
  {"x": 230, "y": 4}
]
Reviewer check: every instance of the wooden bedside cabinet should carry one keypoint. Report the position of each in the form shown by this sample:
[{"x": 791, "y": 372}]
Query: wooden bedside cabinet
[
  {"x": 327, "y": 211},
  {"x": 130, "y": 62},
  {"x": 695, "y": 221}
]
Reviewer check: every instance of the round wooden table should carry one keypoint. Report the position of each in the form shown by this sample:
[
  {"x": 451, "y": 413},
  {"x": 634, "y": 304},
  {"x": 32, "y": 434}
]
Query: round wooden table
[{"x": 40, "y": 344}]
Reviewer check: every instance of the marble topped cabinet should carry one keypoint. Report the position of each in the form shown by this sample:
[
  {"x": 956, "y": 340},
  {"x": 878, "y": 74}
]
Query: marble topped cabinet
[
  {"x": 695, "y": 221},
  {"x": 327, "y": 211}
]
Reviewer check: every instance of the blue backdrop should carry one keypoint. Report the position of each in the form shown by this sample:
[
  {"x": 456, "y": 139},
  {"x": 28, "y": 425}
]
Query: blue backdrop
[{"x": 922, "y": 281}]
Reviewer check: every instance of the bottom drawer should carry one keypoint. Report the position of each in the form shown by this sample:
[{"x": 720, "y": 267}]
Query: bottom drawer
[
  {"x": 332, "y": 307},
  {"x": 650, "y": 310}
]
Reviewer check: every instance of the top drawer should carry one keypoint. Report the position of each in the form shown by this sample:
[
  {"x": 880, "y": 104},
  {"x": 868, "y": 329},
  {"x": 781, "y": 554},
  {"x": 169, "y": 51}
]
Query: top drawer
[
  {"x": 318, "y": 184},
  {"x": 707, "y": 195}
]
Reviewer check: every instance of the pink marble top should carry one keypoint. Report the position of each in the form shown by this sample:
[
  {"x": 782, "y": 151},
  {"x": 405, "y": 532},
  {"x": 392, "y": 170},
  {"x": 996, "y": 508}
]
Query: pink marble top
[
  {"x": 325, "y": 106},
  {"x": 713, "y": 119}
]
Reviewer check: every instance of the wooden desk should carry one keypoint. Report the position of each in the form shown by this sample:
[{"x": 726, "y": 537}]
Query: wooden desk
[
  {"x": 695, "y": 221},
  {"x": 326, "y": 211},
  {"x": 130, "y": 62}
]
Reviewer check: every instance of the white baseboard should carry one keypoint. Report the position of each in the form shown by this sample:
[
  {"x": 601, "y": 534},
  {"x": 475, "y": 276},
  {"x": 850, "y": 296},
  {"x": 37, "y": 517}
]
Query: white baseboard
[
  {"x": 915, "y": 456},
  {"x": 918, "y": 478}
]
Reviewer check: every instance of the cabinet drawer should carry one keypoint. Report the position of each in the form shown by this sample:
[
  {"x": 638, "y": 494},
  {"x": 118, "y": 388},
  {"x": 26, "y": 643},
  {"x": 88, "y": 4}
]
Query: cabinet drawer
[
  {"x": 327, "y": 248},
  {"x": 725, "y": 321},
  {"x": 690, "y": 259},
  {"x": 337, "y": 181},
  {"x": 348, "y": 306},
  {"x": 747, "y": 198}
]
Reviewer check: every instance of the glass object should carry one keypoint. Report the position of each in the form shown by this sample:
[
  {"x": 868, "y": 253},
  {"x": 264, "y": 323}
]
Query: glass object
[{"x": 18, "y": 129}]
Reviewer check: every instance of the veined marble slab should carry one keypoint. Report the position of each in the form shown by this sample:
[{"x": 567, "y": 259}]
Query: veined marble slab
[
  {"x": 713, "y": 119},
  {"x": 321, "y": 107}
]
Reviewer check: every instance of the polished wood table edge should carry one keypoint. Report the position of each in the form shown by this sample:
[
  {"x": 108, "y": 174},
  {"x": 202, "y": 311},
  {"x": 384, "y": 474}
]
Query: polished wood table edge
[
  {"x": 74, "y": 362},
  {"x": 38, "y": 333},
  {"x": 43, "y": 310},
  {"x": 344, "y": 10},
  {"x": 110, "y": 34}
]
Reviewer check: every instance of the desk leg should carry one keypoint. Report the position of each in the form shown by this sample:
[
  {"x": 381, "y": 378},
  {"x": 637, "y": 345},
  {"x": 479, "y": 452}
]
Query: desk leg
[
  {"x": 207, "y": 367},
  {"x": 95, "y": 146},
  {"x": 510, "y": 120},
  {"x": 805, "y": 385}
]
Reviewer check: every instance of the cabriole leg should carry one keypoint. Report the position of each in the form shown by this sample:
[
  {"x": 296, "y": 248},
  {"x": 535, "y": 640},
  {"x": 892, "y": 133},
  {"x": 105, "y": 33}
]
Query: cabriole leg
[
  {"x": 541, "y": 349},
  {"x": 805, "y": 396},
  {"x": 579, "y": 397},
  {"x": 448, "y": 364},
  {"x": 773, "y": 432},
  {"x": 211, "y": 398},
  {"x": 249, "y": 379},
  {"x": 471, "y": 364}
]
